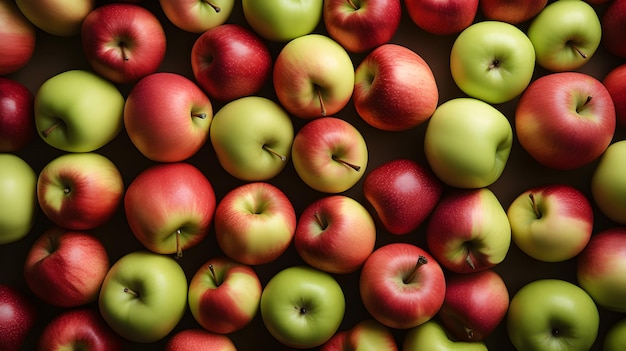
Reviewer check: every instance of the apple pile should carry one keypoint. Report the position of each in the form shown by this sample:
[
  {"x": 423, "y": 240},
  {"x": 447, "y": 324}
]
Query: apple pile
[{"x": 326, "y": 174}]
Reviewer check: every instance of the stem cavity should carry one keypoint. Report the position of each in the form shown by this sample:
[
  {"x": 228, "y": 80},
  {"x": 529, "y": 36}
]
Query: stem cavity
[
  {"x": 421, "y": 260},
  {"x": 534, "y": 205}
]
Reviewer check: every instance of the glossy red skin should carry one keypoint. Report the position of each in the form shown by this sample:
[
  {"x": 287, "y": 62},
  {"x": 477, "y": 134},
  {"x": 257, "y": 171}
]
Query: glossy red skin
[
  {"x": 17, "y": 121},
  {"x": 18, "y": 315},
  {"x": 615, "y": 83},
  {"x": 511, "y": 11},
  {"x": 442, "y": 17},
  {"x": 613, "y": 22},
  {"x": 199, "y": 340},
  {"x": 19, "y": 37}
]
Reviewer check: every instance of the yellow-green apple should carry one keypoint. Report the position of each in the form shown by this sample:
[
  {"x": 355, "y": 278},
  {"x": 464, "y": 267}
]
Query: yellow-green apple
[
  {"x": 395, "y": 88},
  {"x": 433, "y": 336},
  {"x": 169, "y": 207},
  {"x": 361, "y": 25},
  {"x": 468, "y": 230},
  {"x": 608, "y": 189},
  {"x": 565, "y": 120},
  {"x": 123, "y": 42},
  {"x": 614, "y": 84},
  {"x": 392, "y": 189},
  {"x": 442, "y": 17},
  {"x": 167, "y": 117},
  {"x": 575, "y": 35},
  {"x": 255, "y": 223},
  {"x": 601, "y": 268},
  {"x": 224, "y": 295},
  {"x": 18, "y": 316},
  {"x": 550, "y": 315},
  {"x": 78, "y": 111},
  {"x": 199, "y": 339},
  {"x": 80, "y": 191},
  {"x": 282, "y": 20},
  {"x": 230, "y": 61},
  {"x": 475, "y": 304},
  {"x": 302, "y": 307},
  {"x": 16, "y": 115},
  {"x": 366, "y": 335},
  {"x": 18, "y": 38},
  {"x": 66, "y": 268},
  {"x": 252, "y": 138},
  {"x": 613, "y": 23},
  {"x": 551, "y": 223},
  {"x": 57, "y": 17},
  {"x": 329, "y": 154},
  {"x": 153, "y": 286},
  {"x": 402, "y": 285},
  {"x": 615, "y": 337},
  {"x": 492, "y": 61},
  {"x": 313, "y": 76},
  {"x": 18, "y": 198},
  {"x": 467, "y": 143},
  {"x": 197, "y": 16},
  {"x": 335, "y": 234},
  {"x": 511, "y": 11}
]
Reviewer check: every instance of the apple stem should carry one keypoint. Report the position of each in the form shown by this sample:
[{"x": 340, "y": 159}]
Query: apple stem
[
  {"x": 588, "y": 100},
  {"x": 353, "y": 4},
  {"x": 469, "y": 261},
  {"x": 582, "y": 54},
  {"x": 321, "y": 100},
  {"x": 320, "y": 221},
  {"x": 124, "y": 53},
  {"x": 131, "y": 291},
  {"x": 470, "y": 333},
  {"x": 494, "y": 64},
  {"x": 179, "y": 249},
  {"x": 49, "y": 130},
  {"x": 353, "y": 166},
  {"x": 215, "y": 7},
  {"x": 534, "y": 204},
  {"x": 421, "y": 260},
  {"x": 200, "y": 115},
  {"x": 302, "y": 309},
  {"x": 213, "y": 275},
  {"x": 269, "y": 149}
]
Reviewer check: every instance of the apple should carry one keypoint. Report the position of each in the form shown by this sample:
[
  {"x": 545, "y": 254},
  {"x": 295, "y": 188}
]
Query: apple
[
  {"x": 302, "y": 307},
  {"x": 551, "y": 223},
  {"x": 601, "y": 269},
  {"x": 230, "y": 61},
  {"x": 552, "y": 314},
  {"x": 433, "y": 336},
  {"x": 575, "y": 31},
  {"x": 475, "y": 304},
  {"x": 18, "y": 38},
  {"x": 614, "y": 84},
  {"x": 197, "y": 16},
  {"x": 78, "y": 111},
  {"x": 361, "y": 25},
  {"x": 16, "y": 115},
  {"x": 335, "y": 234},
  {"x": 66, "y": 268},
  {"x": 492, "y": 61},
  {"x": 252, "y": 138},
  {"x": 18, "y": 316},
  {"x": 313, "y": 76},
  {"x": 615, "y": 337},
  {"x": 402, "y": 285},
  {"x": 608, "y": 189},
  {"x": 469, "y": 230},
  {"x": 365, "y": 335},
  {"x": 57, "y": 17},
  {"x": 130, "y": 46},
  {"x": 565, "y": 120},
  {"x": 254, "y": 223},
  {"x": 200, "y": 340},
  {"x": 511, "y": 11},
  {"x": 395, "y": 88},
  {"x": 224, "y": 295},
  {"x": 153, "y": 286},
  {"x": 442, "y": 17},
  {"x": 167, "y": 117},
  {"x": 169, "y": 207},
  {"x": 329, "y": 154},
  {"x": 282, "y": 20},
  {"x": 467, "y": 143},
  {"x": 18, "y": 198},
  {"x": 613, "y": 23},
  {"x": 392, "y": 190},
  {"x": 80, "y": 191}
]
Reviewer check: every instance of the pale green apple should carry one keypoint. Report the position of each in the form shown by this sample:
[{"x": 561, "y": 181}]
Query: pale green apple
[
  {"x": 78, "y": 111},
  {"x": 615, "y": 338},
  {"x": 57, "y": 17},
  {"x": 467, "y": 143},
  {"x": 608, "y": 184},
  {"x": 432, "y": 336},
  {"x": 18, "y": 198},
  {"x": 282, "y": 20}
]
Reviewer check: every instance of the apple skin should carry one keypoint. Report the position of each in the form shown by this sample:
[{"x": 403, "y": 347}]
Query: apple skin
[
  {"x": 442, "y": 17},
  {"x": 18, "y": 198},
  {"x": 511, "y": 11},
  {"x": 362, "y": 25},
  {"x": 391, "y": 189},
  {"x": 224, "y": 295},
  {"x": 18, "y": 38},
  {"x": 433, "y": 336},
  {"x": 282, "y": 20},
  {"x": 199, "y": 340},
  {"x": 395, "y": 88},
  {"x": 601, "y": 269},
  {"x": 18, "y": 315},
  {"x": 167, "y": 117},
  {"x": 66, "y": 268},
  {"x": 615, "y": 337},
  {"x": 130, "y": 46},
  {"x": 402, "y": 285},
  {"x": 614, "y": 84},
  {"x": 613, "y": 23},
  {"x": 335, "y": 234},
  {"x": 230, "y": 62},
  {"x": 57, "y": 17},
  {"x": 565, "y": 120},
  {"x": 80, "y": 191},
  {"x": 197, "y": 16},
  {"x": 365, "y": 335},
  {"x": 16, "y": 115},
  {"x": 608, "y": 189}
]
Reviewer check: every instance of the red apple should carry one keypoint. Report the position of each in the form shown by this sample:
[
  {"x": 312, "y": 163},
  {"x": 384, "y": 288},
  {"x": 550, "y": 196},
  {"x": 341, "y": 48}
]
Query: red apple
[
  {"x": 18, "y": 38},
  {"x": 614, "y": 82},
  {"x": 199, "y": 340},
  {"x": 17, "y": 113},
  {"x": 511, "y": 11},
  {"x": 368, "y": 334},
  {"x": 613, "y": 22},
  {"x": 442, "y": 17},
  {"x": 18, "y": 315}
]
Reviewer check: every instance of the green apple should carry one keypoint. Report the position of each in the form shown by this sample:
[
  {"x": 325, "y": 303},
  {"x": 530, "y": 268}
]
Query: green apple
[
  {"x": 552, "y": 314},
  {"x": 432, "y": 336},
  {"x": 302, "y": 307},
  {"x": 78, "y": 111},
  {"x": 57, "y": 17},
  {"x": 467, "y": 143},
  {"x": 615, "y": 337},
  {"x": 144, "y": 296},
  {"x": 282, "y": 20},
  {"x": 608, "y": 186},
  {"x": 493, "y": 61},
  {"x": 18, "y": 198}
]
